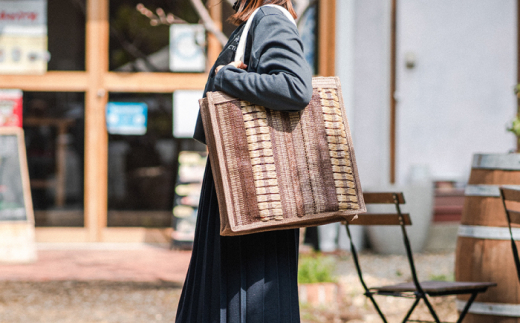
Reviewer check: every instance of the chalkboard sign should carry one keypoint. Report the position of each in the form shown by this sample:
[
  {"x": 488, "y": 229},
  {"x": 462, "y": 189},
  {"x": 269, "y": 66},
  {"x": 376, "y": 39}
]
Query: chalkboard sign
[{"x": 15, "y": 194}]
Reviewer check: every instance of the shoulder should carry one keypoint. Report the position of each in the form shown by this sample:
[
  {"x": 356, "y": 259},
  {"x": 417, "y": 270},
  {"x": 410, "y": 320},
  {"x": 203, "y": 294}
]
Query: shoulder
[{"x": 269, "y": 17}]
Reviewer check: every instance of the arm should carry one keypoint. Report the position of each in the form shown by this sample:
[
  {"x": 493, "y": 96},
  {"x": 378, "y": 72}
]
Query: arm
[{"x": 280, "y": 78}]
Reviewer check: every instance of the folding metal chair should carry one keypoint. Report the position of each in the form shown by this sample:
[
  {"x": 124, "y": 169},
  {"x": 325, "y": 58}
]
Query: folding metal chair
[
  {"x": 513, "y": 216},
  {"x": 414, "y": 289}
]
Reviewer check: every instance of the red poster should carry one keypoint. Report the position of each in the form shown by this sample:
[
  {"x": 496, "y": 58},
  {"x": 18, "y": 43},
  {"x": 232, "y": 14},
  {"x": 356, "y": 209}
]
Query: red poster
[{"x": 11, "y": 108}]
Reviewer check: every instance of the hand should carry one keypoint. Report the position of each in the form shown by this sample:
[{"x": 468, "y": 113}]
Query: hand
[{"x": 237, "y": 64}]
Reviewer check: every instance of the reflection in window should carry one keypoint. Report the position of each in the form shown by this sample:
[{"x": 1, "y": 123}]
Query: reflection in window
[
  {"x": 54, "y": 135},
  {"x": 307, "y": 27},
  {"x": 142, "y": 169},
  {"x": 136, "y": 44},
  {"x": 66, "y": 34}
]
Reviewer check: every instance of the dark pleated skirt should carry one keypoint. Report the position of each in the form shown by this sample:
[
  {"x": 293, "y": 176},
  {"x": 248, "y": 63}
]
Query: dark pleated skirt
[{"x": 241, "y": 279}]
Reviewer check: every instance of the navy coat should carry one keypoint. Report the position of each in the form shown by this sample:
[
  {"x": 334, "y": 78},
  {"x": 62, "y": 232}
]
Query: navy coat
[{"x": 277, "y": 77}]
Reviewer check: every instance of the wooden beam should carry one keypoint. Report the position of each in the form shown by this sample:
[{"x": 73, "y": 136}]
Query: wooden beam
[
  {"x": 327, "y": 37},
  {"x": 112, "y": 81},
  {"x": 149, "y": 235},
  {"x": 214, "y": 46},
  {"x": 121, "y": 235},
  {"x": 61, "y": 234},
  {"x": 393, "y": 88},
  {"x": 96, "y": 137},
  {"x": 50, "y": 81},
  {"x": 154, "y": 82}
]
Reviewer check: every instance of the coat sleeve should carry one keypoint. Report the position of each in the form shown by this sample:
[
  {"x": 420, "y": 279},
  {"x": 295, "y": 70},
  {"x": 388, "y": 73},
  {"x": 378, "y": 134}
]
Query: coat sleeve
[{"x": 280, "y": 78}]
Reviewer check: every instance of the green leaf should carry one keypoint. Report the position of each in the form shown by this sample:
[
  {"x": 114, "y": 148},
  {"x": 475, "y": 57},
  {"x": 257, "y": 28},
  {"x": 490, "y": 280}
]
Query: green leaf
[{"x": 316, "y": 268}]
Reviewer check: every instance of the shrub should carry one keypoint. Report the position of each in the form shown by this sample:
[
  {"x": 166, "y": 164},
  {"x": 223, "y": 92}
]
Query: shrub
[{"x": 316, "y": 268}]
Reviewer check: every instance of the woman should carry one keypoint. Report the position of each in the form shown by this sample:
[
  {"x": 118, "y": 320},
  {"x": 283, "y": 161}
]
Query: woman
[{"x": 250, "y": 278}]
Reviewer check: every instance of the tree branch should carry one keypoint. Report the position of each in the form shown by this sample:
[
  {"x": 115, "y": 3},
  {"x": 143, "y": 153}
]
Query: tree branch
[{"x": 208, "y": 22}]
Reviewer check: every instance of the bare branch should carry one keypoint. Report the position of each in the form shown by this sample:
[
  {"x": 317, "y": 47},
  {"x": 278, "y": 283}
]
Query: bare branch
[
  {"x": 208, "y": 22},
  {"x": 161, "y": 18},
  {"x": 132, "y": 49}
]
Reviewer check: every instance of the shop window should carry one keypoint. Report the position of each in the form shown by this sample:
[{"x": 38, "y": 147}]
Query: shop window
[
  {"x": 54, "y": 123},
  {"x": 307, "y": 26},
  {"x": 136, "y": 43},
  {"x": 142, "y": 167},
  {"x": 66, "y": 35}
]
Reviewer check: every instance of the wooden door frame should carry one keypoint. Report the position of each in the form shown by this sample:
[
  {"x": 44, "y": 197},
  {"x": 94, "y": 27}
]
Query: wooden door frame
[
  {"x": 327, "y": 37},
  {"x": 393, "y": 89}
]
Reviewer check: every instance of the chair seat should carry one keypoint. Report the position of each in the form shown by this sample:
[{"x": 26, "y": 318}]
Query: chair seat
[{"x": 436, "y": 288}]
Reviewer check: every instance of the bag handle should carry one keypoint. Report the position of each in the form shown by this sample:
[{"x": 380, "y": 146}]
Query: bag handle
[{"x": 241, "y": 48}]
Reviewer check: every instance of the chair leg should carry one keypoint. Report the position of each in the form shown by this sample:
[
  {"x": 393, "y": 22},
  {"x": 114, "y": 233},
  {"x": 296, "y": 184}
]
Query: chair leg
[
  {"x": 430, "y": 307},
  {"x": 427, "y": 302},
  {"x": 466, "y": 307},
  {"x": 371, "y": 297},
  {"x": 417, "y": 299}
]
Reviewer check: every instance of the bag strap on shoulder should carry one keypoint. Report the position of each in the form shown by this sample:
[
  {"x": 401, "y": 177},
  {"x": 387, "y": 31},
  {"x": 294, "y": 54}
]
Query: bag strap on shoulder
[{"x": 241, "y": 48}]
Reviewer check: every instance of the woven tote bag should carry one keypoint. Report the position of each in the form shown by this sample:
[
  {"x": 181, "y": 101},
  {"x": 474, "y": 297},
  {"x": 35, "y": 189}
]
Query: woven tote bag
[{"x": 278, "y": 170}]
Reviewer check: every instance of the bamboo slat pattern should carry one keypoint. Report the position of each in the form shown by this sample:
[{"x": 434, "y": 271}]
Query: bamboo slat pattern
[{"x": 279, "y": 170}]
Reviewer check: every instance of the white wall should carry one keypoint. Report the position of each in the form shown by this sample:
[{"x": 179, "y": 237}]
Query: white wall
[
  {"x": 455, "y": 102},
  {"x": 363, "y": 65},
  {"x": 459, "y": 97}
]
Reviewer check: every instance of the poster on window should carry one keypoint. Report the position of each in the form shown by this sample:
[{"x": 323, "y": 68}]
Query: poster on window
[
  {"x": 127, "y": 118},
  {"x": 11, "y": 108},
  {"x": 23, "y": 37},
  {"x": 185, "y": 112},
  {"x": 187, "y": 193},
  {"x": 187, "y": 43}
]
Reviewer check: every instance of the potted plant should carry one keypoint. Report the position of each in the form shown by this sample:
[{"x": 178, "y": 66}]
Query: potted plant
[
  {"x": 514, "y": 126},
  {"x": 317, "y": 280}
]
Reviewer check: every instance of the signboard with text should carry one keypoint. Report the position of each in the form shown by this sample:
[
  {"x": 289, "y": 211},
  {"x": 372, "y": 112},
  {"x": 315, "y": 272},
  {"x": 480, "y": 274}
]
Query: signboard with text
[
  {"x": 126, "y": 118},
  {"x": 23, "y": 37},
  {"x": 17, "y": 237},
  {"x": 187, "y": 43},
  {"x": 11, "y": 108}
]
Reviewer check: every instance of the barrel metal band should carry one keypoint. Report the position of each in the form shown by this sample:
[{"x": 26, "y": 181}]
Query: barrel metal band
[
  {"x": 486, "y": 190},
  {"x": 496, "y": 161},
  {"x": 499, "y": 309},
  {"x": 490, "y": 233}
]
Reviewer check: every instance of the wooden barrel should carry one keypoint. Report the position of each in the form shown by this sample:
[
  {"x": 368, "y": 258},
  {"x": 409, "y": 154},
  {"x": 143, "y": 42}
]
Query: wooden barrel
[{"x": 483, "y": 245}]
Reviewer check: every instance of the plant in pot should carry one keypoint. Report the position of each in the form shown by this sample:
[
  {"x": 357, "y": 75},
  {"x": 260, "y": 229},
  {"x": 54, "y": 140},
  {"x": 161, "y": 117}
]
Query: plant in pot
[
  {"x": 514, "y": 126},
  {"x": 317, "y": 280}
]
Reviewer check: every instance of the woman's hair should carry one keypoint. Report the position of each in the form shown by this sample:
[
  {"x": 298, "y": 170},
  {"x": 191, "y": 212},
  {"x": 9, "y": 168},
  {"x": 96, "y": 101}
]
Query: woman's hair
[{"x": 246, "y": 8}]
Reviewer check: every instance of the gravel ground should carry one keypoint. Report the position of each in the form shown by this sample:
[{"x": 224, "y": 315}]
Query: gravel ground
[
  {"x": 82, "y": 302},
  {"x": 354, "y": 307},
  {"x": 121, "y": 302}
]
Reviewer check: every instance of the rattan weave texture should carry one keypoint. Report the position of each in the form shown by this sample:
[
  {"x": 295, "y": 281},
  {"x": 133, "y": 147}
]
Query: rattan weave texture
[{"x": 278, "y": 170}]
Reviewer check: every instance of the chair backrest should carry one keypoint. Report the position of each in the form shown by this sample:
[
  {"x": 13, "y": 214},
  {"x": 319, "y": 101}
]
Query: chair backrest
[
  {"x": 398, "y": 218},
  {"x": 395, "y": 198},
  {"x": 511, "y": 201}
]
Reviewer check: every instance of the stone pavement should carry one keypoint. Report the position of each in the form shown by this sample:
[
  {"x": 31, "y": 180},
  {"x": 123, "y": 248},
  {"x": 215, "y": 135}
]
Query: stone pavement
[{"x": 101, "y": 262}]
